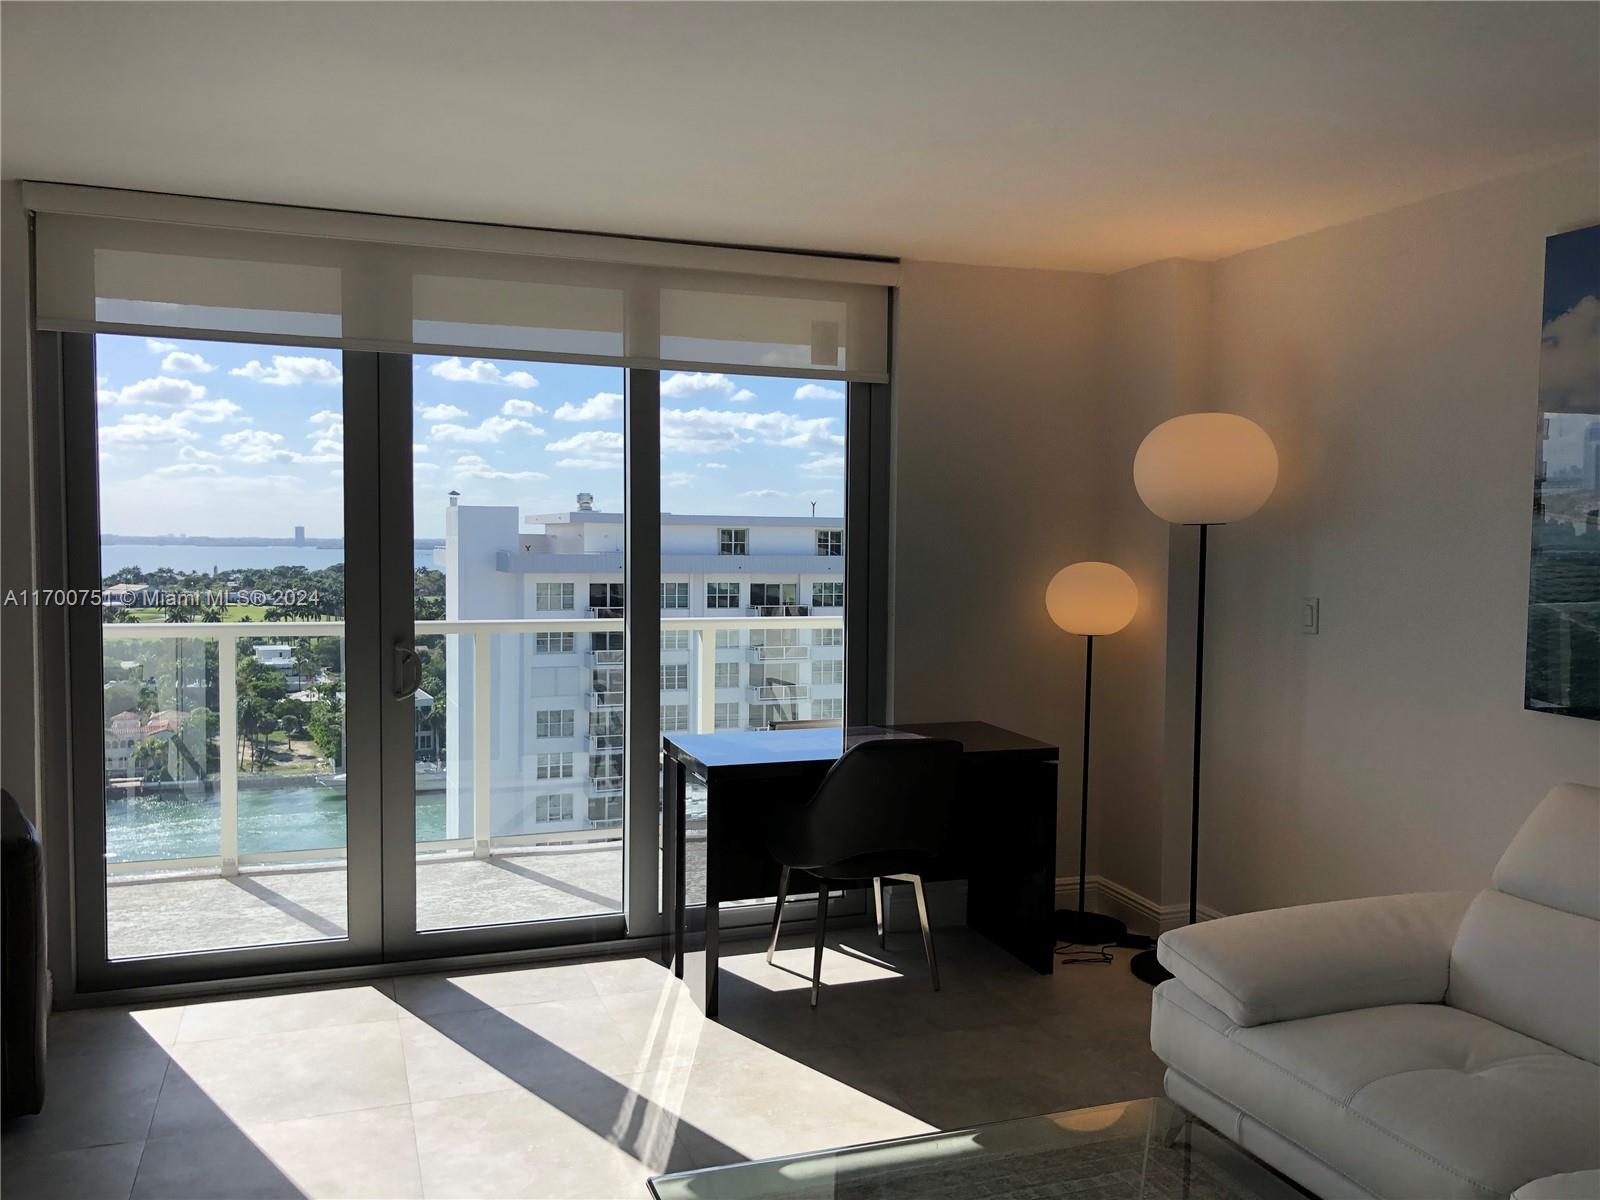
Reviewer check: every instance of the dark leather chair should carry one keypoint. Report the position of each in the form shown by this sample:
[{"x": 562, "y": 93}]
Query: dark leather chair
[
  {"x": 882, "y": 812},
  {"x": 25, "y": 991}
]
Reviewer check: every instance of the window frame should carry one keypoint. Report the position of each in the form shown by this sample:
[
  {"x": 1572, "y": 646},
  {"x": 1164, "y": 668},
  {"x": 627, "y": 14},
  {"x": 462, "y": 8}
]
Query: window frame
[{"x": 733, "y": 542}]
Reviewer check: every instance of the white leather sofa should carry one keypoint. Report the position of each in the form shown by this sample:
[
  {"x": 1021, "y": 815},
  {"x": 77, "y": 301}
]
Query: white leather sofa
[{"x": 1435, "y": 1045}]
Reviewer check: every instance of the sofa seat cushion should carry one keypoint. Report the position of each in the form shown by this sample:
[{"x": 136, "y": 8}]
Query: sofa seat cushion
[{"x": 1405, "y": 1100}]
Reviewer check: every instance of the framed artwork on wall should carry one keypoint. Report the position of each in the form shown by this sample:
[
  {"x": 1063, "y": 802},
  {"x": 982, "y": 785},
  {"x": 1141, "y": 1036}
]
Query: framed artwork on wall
[{"x": 1563, "y": 662}]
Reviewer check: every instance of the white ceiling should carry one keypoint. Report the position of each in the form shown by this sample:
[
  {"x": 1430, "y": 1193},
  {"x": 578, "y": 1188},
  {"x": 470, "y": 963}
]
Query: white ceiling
[{"x": 1092, "y": 136}]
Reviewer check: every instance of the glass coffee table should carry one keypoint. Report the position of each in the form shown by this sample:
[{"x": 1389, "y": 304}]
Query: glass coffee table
[{"x": 1146, "y": 1149}]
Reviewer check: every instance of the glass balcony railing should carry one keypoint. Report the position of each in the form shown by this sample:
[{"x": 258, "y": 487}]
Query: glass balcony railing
[
  {"x": 761, "y": 654},
  {"x": 218, "y": 773}
]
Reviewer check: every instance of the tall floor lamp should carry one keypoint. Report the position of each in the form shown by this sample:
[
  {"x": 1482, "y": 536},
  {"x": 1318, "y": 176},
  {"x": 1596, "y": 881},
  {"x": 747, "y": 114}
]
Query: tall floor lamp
[
  {"x": 1201, "y": 469},
  {"x": 1094, "y": 599}
]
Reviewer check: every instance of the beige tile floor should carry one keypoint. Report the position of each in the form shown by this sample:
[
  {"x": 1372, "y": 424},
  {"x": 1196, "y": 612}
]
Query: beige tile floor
[{"x": 574, "y": 1079}]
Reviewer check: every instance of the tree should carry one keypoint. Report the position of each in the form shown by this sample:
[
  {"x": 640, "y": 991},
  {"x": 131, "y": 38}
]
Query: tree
[
  {"x": 256, "y": 725},
  {"x": 210, "y": 725},
  {"x": 292, "y": 716},
  {"x": 150, "y": 758},
  {"x": 326, "y": 724}
]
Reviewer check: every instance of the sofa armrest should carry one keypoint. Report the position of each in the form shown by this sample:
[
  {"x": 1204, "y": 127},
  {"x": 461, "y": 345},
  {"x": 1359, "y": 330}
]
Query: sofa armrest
[{"x": 1287, "y": 963}]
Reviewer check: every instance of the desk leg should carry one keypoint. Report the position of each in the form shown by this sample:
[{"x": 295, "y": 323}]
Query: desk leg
[
  {"x": 673, "y": 821},
  {"x": 1012, "y": 881},
  {"x": 713, "y": 903}
]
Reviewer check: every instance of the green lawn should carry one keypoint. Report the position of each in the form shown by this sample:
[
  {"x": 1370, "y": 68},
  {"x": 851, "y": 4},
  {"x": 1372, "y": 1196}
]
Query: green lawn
[{"x": 234, "y": 612}]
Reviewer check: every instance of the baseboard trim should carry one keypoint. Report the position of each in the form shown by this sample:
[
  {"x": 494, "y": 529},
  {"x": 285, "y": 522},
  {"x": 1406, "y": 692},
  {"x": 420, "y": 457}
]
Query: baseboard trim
[{"x": 1139, "y": 913}]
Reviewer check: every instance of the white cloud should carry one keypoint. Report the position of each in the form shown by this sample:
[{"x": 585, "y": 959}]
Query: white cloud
[
  {"x": 766, "y": 494},
  {"x": 161, "y": 390},
  {"x": 326, "y": 417},
  {"x": 252, "y": 445},
  {"x": 712, "y": 466},
  {"x": 193, "y": 454},
  {"x": 1569, "y": 362},
  {"x": 678, "y": 479},
  {"x": 419, "y": 447},
  {"x": 290, "y": 370},
  {"x": 186, "y": 363},
  {"x": 816, "y": 391},
  {"x": 442, "y": 412},
  {"x": 592, "y": 449},
  {"x": 490, "y": 429},
  {"x": 602, "y": 406},
  {"x": 189, "y": 468},
  {"x": 258, "y": 446},
  {"x": 824, "y": 465},
  {"x": 590, "y": 464},
  {"x": 472, "y": 466},
  {"x": 157, "y": 347},
  {"x": 521, "y": 408},
  {"x": 676, "y": 387},
  {"x": 479, "y": 371},
  {"x": 209, "y": 412},
  {"x": 144, "y": 429},
  {"x": 742, "y": 395},
  {"x": 703, "y": 429}
]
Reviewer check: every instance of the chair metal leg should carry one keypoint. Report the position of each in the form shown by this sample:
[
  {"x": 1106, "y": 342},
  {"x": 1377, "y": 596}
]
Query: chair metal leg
[
  {"x": 822, "y": 931},
  {"x": 777, "y": 914},
  {"x": 927, "y": 931},
  {"x": 877, "y": 906}
]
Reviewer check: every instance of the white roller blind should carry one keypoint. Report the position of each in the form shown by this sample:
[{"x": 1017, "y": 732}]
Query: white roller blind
[{"x": 134, "y": 262}]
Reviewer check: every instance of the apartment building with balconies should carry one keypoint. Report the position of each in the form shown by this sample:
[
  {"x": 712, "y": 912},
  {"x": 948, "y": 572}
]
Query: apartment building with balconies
[{"x": 752, "y": 610}]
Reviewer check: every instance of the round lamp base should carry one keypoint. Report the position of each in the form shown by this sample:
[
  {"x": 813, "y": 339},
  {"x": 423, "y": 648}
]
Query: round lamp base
[
  {"x": 1145, "y": 967},
  {"x": 1088, "y": 928}
]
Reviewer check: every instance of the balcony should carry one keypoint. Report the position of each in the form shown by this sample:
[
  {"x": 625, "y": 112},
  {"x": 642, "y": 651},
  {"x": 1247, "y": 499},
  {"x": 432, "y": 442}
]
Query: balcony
[
  {"x": 605, "y": 658},
  {"x": 779, "y": 610},
  {"x": 607, "y": 614},
  {"x": 268, "y": 865},
  {"x": 768, "y": 692},
  {"x": 763, "y": 654}
]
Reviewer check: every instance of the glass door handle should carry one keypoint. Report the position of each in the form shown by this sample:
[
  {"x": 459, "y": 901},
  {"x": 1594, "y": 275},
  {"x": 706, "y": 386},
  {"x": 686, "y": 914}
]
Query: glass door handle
[{"x": 407, "y": 671}]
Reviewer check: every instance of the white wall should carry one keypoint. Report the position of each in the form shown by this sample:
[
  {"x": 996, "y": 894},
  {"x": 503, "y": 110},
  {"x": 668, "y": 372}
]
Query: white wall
[
  {"x": 997, "y": 390},
  {"x": 1394, "y": 361}
]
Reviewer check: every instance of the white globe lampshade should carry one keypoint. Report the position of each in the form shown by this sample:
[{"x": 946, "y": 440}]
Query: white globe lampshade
[
  {"x": 1094, "y": 598},
  {"x": 1206, "y": 468}
]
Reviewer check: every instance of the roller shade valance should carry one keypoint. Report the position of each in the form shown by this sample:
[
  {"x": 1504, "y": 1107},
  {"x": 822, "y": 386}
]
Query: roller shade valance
[{"x": 111, "y": 261}]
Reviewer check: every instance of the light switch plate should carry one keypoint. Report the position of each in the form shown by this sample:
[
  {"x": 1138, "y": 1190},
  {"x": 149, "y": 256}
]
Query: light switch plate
[{"x": 1310, "y": 614}]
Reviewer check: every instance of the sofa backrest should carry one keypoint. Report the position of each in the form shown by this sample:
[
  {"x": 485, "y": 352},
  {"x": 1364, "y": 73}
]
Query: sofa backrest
[{"x": 1527, "y": 955}]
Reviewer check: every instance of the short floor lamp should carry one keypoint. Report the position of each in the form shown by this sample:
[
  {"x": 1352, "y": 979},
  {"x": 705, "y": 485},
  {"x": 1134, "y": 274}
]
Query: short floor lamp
[
  {"x": 1093, "y": 599},
  {"x": 1201, "y": 469}
]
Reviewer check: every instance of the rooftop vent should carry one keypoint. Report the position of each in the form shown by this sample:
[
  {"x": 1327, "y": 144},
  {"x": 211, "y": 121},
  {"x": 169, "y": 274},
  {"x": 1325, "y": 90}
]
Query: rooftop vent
[{"x": 585, "y": 501}]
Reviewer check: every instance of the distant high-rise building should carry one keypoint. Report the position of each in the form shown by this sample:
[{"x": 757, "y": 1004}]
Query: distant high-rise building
[{"x": 299, "y": 535}]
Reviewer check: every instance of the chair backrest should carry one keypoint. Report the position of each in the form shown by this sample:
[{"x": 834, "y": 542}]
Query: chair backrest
[
  {"x": 885, "y": 796},
  {"x": 1527, "y": 955}
]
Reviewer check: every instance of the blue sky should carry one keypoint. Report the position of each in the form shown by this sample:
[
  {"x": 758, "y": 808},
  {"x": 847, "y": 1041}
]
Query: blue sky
[{"x": 213, "y": 438}]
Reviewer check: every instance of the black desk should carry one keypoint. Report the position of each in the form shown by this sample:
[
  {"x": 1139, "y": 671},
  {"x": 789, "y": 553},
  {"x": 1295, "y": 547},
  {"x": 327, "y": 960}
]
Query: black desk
[{"x": 1003, "y": 842}]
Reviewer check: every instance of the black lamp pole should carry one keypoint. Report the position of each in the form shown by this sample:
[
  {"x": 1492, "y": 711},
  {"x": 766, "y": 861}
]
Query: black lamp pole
[
  {"x": 1145, "y": 964},
  {"x": 1091, "y": 932}
]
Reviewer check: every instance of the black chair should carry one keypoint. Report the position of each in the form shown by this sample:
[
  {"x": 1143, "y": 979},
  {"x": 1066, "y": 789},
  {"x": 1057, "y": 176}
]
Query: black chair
[{"x": 882, "y": 812}]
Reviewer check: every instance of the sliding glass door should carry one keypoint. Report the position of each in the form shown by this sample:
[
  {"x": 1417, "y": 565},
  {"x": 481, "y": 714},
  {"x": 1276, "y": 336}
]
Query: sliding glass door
[
  {"x": 227, "y": 790},
  {"x": 369, "y": 672},
  {"x": 518, "y": 535}
]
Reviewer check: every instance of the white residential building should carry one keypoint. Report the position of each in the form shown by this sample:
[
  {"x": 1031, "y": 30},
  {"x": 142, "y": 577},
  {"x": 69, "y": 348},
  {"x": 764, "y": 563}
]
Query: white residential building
[{"x": 557, "y": 698}]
